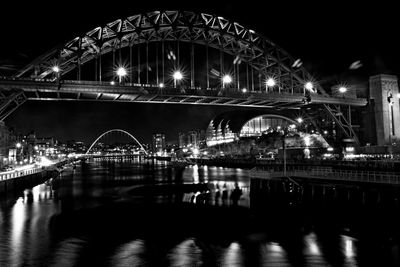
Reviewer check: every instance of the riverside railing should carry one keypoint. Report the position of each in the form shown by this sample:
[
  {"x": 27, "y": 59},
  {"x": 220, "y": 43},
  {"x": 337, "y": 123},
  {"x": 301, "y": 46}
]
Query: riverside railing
[
  {"x": 19, "y": 173},
  {"x": 328, "y": 173}
]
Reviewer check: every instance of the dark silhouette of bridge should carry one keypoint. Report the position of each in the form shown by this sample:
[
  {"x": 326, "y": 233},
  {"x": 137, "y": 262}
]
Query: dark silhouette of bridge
[{"x": 176, "y": 57}]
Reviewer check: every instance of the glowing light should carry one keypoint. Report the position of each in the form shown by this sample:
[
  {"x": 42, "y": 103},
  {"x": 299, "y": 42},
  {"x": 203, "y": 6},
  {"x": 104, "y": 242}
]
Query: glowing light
[
  {"x": 161, "y": 85},
  {"x": 36, "y": 147},
  {"x": 177, "y": 75},
  {"x": 342, "y": 89},
  {"x": 45, "y": 161},
  {"x": 330, "y": 149},
  {"x": 271, "y": 82},
  {"x": 398, "y": 95},
  {"x": 299, "y": 120},
  {"x": 226, "y": 79},
  {"x": 195, "y": 151},
  {"x": 307, "y": 140},
  {"x": 18, "y": 145},
  {"x": 244, "y": 90},
  {"x": 325, "y": 132},
  {"x": 311, "y": 242},
  {"x": 112, "y": 82},
  {"x": 55, "y": 69},
  {"x": 121, "y": 71},
  {"x": 309, "y": 86}
]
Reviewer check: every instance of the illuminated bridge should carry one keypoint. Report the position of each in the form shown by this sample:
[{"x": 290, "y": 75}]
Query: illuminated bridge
[{"x": 176, "y": 57}]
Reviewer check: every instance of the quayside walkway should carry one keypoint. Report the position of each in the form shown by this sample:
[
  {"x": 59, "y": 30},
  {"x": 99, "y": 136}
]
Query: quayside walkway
[{"x": 328, "y": 173}]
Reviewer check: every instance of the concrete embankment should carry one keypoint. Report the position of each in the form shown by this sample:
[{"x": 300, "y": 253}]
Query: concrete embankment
[{"x": 25, "y": 181}]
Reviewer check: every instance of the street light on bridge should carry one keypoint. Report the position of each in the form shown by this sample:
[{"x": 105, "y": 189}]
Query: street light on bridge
[
  {"x": 270, "y": 82},
  {"x": 177, "y": 77},
  {"x": 121, "y": 72},
  {"x": 342, "y": 89},
  {"x": 309, "y": 86},
  {"x": 226, "y": 79},
  {"x": 55, "y": 69}
]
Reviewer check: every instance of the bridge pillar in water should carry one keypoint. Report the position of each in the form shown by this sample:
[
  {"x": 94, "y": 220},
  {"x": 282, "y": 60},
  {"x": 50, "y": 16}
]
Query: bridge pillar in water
[{"x": 384, "y": 90}]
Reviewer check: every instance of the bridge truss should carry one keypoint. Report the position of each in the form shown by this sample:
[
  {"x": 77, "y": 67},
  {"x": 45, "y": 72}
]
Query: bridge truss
[{"x": 151, "y": 45}]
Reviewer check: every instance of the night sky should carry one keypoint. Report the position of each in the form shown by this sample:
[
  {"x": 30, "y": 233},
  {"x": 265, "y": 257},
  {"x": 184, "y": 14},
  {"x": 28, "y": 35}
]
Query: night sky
[{"x": 328, "y": 36}]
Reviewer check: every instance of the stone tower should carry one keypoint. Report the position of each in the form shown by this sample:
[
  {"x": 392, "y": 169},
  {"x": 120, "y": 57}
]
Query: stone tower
[{"x": 384, "y": 90}]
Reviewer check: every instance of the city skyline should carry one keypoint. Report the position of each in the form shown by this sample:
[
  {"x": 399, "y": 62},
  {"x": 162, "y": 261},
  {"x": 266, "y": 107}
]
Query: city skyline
[{"x": 331, "y": 38}]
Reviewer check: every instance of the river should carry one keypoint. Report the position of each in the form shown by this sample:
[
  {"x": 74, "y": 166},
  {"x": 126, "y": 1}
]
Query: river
[{"x": 143, "y": 213}]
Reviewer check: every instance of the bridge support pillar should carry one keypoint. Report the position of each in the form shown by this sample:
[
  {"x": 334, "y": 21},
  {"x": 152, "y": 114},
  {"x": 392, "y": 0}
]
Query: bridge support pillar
[{"x": 384, "y": 91}]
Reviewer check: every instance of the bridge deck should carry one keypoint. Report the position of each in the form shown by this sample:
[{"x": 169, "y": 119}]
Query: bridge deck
[{"x": 104, "y": 91}]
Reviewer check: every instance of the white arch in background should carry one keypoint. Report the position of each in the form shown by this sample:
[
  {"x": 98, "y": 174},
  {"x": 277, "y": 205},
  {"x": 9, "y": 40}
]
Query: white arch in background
[{"x": 115, "y": 130}]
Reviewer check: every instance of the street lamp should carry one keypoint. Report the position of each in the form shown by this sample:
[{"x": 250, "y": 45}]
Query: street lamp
[
  {"x": 226, "y": 79},
  {"x": 177, "y": 77},
  {"x": 309, "y": 86},
  {"x": 121, "y": 72},
  {"x": 299, "y": 119},
  {"x": 390, "y": 111},
  {"x": 270, "y": 82},
  {"x": 342, "y": 89},
  {"x": 18, "y": 145},
  {"x": 55, "y": 69}
]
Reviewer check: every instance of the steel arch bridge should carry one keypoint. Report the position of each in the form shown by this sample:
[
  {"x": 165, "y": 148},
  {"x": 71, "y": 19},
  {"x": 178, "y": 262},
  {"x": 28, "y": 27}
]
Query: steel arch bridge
[
  {"x": 252, "y": 60},
  {"x": 115, "y": 131}
]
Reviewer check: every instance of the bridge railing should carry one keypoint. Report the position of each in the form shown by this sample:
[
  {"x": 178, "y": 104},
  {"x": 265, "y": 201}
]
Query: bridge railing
[{"x": 19, "y": 173}]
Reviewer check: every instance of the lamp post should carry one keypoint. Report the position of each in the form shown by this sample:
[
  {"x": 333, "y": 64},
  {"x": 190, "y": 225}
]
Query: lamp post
[
  {"x": 121, "y": 72},
  {"x": 177, "y": 77},
  {"x": 284, "y": 151},
  {"x": 270, "y": 83},
  {"x": 390, "y": 107},
  {"x": 226, "y": 79}
]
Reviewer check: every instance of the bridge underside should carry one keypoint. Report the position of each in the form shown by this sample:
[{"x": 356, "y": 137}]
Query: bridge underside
[
  {"x": 95, "y": 91},
  {"x": 16, "y": 92}
]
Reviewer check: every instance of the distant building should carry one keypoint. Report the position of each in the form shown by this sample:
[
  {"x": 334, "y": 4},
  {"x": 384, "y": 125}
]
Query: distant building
[
  {"x": 192, "y": 139},
  {"x": 44, "y": 145},
  {"x": 182, "y": 140},
  {"x": 158, "y": 143},
  {"x": 221, "y": 135}
]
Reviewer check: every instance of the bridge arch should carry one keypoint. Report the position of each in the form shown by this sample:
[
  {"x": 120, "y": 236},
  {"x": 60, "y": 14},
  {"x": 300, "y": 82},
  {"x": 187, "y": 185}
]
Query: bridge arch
[
  {"x": 115, "y": 130},
  {"x": 210, "y": 30}
]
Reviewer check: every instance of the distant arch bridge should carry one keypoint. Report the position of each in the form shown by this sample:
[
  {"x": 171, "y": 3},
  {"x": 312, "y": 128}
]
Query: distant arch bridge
[{"x": 114, "y": 131}]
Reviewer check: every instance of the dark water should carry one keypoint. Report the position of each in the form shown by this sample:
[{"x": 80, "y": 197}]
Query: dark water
[{"x": 131, "y": 213}]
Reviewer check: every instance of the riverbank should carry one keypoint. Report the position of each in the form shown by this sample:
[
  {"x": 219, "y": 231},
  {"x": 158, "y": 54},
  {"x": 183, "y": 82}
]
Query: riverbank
[
  {"x": 21, "y": 179},
  {"x": 277, "y": 165}
]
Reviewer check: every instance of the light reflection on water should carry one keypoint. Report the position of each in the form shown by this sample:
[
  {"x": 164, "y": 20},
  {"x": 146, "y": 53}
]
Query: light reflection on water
[
  {"x": 26, "y": 239},
  {"x": 187, "y": 253},
  {"x": 130, "y": 254}
]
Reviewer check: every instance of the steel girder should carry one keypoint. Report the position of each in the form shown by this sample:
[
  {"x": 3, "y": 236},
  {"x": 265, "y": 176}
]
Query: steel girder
[
  {"x": 104, "y": 91},
  {"x": 10, "y": 101},
  {"x": 343, "y": 120},
  {"x": 201, "y": 28}
]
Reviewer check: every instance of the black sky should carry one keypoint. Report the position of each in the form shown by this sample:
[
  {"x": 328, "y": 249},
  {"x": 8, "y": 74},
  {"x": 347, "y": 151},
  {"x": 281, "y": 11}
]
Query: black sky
[{"x": 327, "y": 35}]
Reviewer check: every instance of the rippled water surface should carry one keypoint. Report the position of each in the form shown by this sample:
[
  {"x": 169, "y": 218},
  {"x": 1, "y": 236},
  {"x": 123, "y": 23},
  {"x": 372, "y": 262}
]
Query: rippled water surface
[{"x": 135, "y": 213}]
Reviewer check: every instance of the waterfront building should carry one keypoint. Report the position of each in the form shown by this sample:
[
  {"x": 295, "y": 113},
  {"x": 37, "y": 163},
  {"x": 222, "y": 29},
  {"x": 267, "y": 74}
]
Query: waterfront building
[{"x": 158, "y": 143}]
